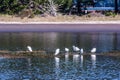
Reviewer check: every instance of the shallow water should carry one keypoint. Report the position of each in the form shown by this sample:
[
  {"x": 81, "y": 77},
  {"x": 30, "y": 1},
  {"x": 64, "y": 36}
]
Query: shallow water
[
  {"x": 75, "y": 67},
  {"x": 49, "y": 41}
]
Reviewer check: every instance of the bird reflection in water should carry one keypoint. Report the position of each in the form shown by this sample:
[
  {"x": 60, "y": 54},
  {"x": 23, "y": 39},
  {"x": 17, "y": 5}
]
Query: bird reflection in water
[
  {"x": 66, "y": 55},
  {"x": 76, "y": 58},
  {"x": 29, "y": 67},
  {"x": 66, "y": 58},
  {"x": 57, "y": 67},
  {"x": 93, "y": 59},
  {"x": 81, "y": 59}
]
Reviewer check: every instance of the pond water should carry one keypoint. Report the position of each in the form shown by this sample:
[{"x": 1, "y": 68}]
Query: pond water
[
  {"x": 75, "y": 67},
  {"x": 49, "y": 41},
  {"x": 64, "y": 68}
]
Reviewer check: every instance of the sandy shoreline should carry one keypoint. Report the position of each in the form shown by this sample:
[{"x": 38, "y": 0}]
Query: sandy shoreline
[
  {"x": 60, "y": 23},
  {"x": 58, "y": 27},
  {"x": 65, "y": 22}
]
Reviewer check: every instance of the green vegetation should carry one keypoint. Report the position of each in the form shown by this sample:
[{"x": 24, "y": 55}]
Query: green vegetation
[
  {"x": 37, "y": 6},
  {"x": 30, "y": 8},
  {"x": 16, "y": 6},
  {"x": 110, "y": 13},
  {"x": 10, "y": 6}
]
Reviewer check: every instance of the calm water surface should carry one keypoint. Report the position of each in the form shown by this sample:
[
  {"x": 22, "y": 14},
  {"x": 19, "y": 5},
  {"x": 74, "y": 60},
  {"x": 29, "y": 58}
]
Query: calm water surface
[
  {"x": 49, "y": 41},
  {"x": 86, "y": 67}
]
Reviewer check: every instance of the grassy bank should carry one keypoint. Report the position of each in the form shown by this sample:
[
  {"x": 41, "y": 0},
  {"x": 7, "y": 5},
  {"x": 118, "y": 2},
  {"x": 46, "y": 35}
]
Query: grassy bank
[{"x": 59, "y": 18}]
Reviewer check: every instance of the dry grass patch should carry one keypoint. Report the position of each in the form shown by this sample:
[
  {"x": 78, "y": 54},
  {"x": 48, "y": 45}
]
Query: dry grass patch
[{"x": 59, "y": 18}]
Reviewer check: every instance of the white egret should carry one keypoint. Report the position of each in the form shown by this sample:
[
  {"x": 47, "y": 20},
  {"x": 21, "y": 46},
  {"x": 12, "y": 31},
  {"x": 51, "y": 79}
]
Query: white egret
[
  {"x": 57, "y": 51},
  {"x": 93, "y": 50},
  {"x": 66, "y": 49},
  {"x": 75, "y": 48},
  {"x": 81, "y": 50},
  {"x": 29, "y": 48}
]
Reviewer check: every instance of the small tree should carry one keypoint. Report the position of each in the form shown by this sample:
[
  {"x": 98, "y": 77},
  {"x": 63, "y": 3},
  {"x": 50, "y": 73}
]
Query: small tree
[
  {"x": 116, "y": 6},
  {"x": 10, "y": 6},
  {"x": 52, "y": 8}
]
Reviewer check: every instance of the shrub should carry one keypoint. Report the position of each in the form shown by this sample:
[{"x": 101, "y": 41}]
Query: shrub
[
  {"x": 110, "y": 13},
  {"x": 11, "y": 6}
]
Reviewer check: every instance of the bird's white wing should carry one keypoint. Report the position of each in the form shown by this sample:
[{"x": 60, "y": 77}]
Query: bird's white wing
[
  {"x": 57, "y": 51},
  {"x": 29, "y": 48}
]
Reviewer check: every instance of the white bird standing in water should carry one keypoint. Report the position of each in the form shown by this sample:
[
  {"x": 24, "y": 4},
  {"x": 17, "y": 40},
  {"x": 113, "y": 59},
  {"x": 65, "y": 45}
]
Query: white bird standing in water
[
  {"x": 66, "y": 49},
  {"x": 29, "y": 48},
  {"x": 81, "y": 51},
  {"x": 93, "y": 50},
  {"x": 57, "y": 51},
  {"x": 75, "y": 48}
]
